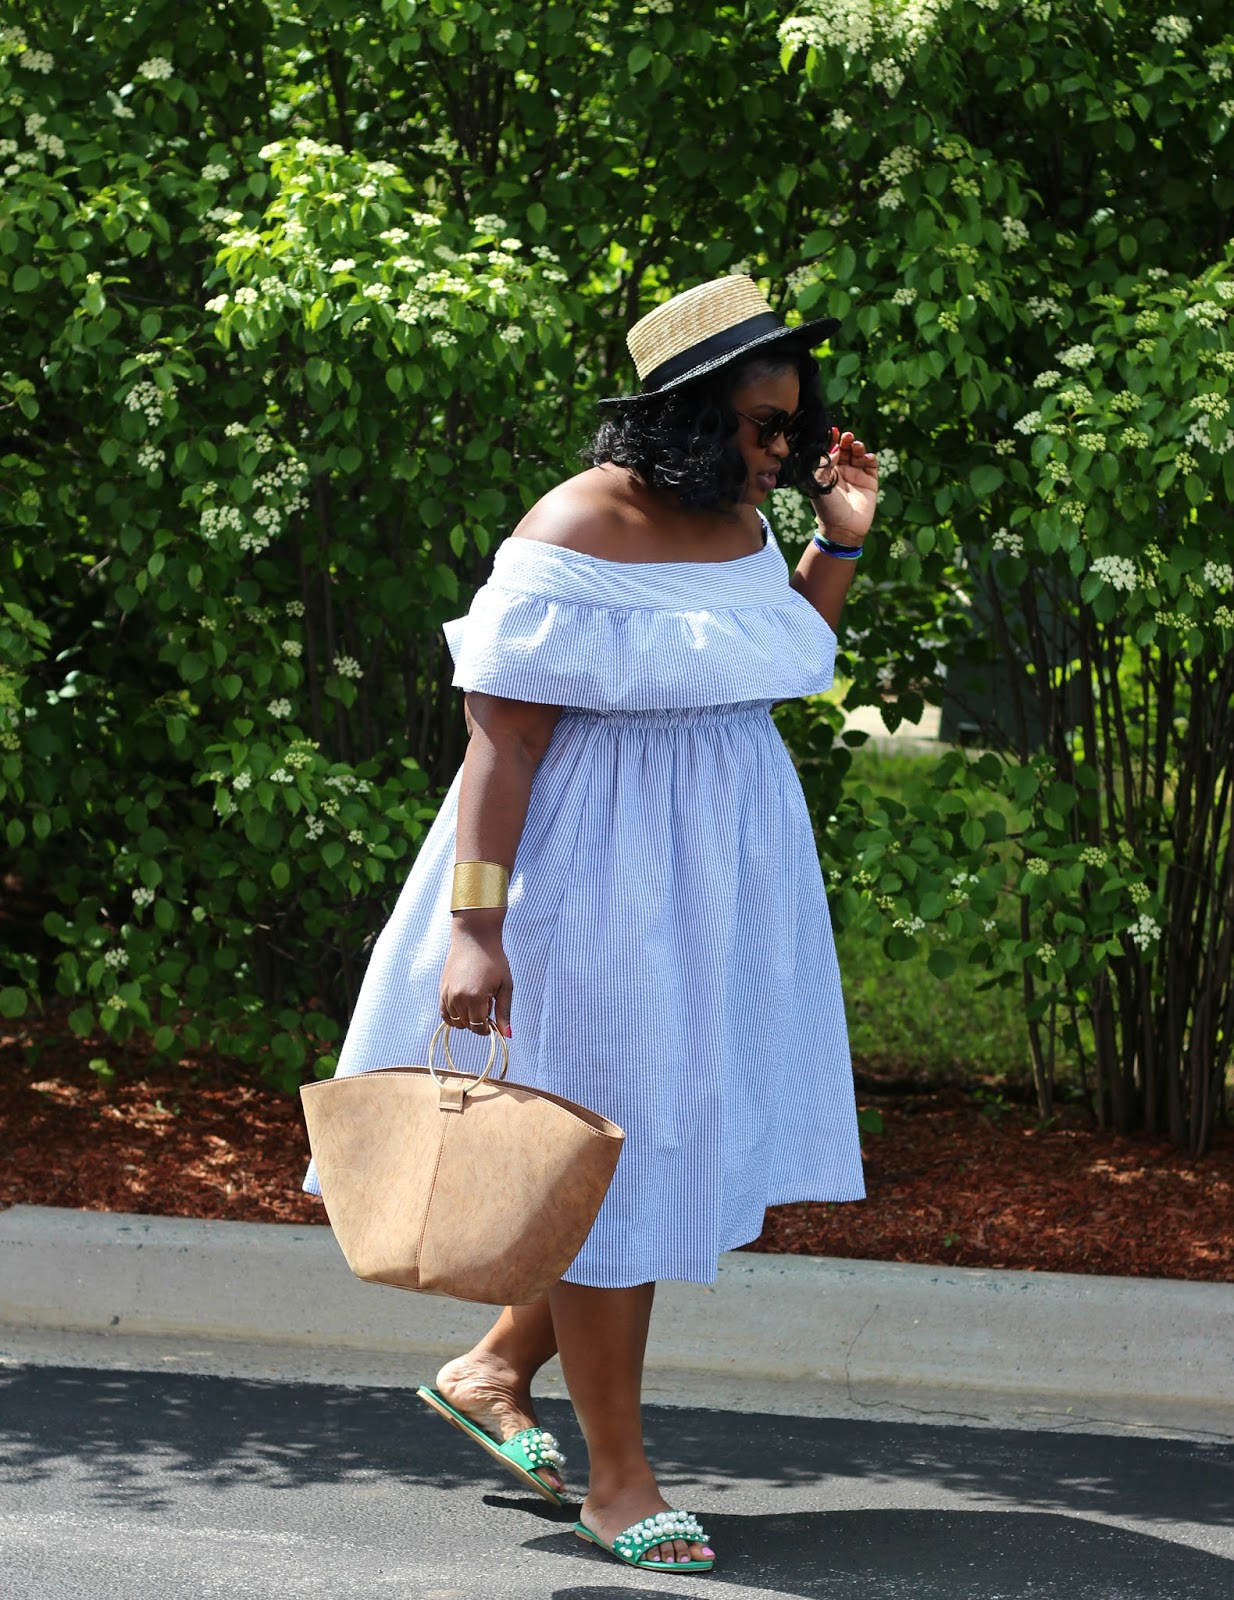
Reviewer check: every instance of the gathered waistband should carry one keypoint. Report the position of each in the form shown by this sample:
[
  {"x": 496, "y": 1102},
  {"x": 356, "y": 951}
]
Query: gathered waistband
[{"x": 743, "y": 710}]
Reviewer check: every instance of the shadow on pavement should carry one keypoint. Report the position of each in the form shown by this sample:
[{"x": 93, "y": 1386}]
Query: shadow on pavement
[
  {"x": 1027, "y": 1526},
  {"x": 931, "y": 1555}
]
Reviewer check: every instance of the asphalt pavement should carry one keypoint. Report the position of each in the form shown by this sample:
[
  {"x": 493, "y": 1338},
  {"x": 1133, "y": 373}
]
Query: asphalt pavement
[{"x": 140, "y": 1486}]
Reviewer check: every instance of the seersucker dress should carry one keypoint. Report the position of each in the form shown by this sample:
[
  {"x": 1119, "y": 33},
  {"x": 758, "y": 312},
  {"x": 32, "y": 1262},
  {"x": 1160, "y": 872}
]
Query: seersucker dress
[{"x": 667, "y": 930}]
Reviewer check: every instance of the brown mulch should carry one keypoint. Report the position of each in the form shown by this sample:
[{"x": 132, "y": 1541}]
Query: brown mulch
[{"x": 953, "y": 1179}]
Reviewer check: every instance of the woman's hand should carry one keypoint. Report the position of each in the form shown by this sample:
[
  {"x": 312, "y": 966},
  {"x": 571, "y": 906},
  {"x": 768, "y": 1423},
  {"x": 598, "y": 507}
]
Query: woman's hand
[
  {"x": 847, "y": 512},
  {"x": 476, "y": 980}
]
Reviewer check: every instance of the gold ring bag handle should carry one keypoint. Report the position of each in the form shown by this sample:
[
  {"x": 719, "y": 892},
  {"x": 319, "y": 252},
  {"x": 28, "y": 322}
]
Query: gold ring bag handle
[{"x": 443, "y": 1027}]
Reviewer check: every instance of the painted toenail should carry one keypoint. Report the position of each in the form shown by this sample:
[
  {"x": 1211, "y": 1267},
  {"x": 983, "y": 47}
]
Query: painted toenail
[{"x": 708, "y": 1551}]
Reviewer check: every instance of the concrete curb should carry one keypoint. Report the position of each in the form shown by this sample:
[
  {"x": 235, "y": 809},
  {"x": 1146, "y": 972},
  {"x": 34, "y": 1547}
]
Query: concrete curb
[{"x": 1125, "y": 1348}]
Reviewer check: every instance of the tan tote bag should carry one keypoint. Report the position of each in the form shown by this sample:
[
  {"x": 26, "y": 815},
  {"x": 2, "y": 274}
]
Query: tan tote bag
[{"x": 458, "y": 1183}]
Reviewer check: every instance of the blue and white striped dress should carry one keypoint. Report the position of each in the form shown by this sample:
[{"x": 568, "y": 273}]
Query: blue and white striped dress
[{"x": 667, "y": 929}]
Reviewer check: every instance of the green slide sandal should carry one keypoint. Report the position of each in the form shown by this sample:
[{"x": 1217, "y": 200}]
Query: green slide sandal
[
  {"x": 523, "y": 1455},
  {"x": 629, "y": 1546}
]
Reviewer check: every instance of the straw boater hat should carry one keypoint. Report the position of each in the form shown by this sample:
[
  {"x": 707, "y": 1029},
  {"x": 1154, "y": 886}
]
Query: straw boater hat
[{"x": 706, "y": 328}]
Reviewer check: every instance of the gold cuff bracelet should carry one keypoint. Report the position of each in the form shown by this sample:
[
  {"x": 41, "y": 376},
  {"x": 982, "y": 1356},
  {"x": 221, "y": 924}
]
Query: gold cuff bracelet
[{"x": 479, "y": 884}]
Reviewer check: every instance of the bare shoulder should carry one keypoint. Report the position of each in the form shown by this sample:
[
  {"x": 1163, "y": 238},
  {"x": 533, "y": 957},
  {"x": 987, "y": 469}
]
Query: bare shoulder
[{"x": 587, "y": 513}]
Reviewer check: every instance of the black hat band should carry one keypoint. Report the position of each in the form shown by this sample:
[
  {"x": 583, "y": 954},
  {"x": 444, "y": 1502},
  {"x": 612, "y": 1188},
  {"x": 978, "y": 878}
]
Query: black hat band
[{"x": 713, "y": 348}]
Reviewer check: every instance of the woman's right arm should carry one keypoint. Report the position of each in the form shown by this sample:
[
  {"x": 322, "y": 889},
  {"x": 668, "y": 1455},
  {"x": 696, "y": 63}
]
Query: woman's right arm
[{"x": 507, "y": 741}]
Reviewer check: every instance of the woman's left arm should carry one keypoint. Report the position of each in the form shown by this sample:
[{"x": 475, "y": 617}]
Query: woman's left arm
[{"x": 844, "y": 517}]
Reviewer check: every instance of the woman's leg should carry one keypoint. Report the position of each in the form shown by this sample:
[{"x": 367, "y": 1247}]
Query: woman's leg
[
  {"x": 491, "y": 1384},
  {"x": 601, "y": 1337}
]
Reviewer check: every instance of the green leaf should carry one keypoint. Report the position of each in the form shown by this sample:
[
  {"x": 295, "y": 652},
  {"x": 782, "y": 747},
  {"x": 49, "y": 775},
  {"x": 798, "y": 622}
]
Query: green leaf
[
  {"x": 13, "y": 1002},
  {"x": 639, "y": 58},
  {"x": 333, "y": 852},
  {"x": 280, "y": 874},
  {"x": 942, "y": 963},
  {"x": 985, "y": 479},
  {"x": 537, "y": 216},
  {"x": 26, "y": 279}
]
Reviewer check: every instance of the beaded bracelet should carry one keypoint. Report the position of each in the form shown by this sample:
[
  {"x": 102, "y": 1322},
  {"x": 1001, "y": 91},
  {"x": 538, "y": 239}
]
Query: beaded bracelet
[{"x": 843, "y": 552}]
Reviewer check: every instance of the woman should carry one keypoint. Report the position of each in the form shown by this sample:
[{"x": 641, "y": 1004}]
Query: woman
[{"x": 665, "y": 956}]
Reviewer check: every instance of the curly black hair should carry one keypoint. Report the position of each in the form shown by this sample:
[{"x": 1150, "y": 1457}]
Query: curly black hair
[{"x": 682, "y": 441}]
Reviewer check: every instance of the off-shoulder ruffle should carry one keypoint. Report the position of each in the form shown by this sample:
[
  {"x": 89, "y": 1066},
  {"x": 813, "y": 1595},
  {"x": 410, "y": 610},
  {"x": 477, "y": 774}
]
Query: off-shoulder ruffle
[{"x": 557, "y": 627}]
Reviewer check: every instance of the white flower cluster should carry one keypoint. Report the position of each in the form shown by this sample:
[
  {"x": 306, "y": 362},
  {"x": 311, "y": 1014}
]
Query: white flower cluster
[
  {"x": 1117, "y": 571},
  {"x": 899, "y": 163},
  {"x": 1207, "y": 312},
  {"x": 1219, "y": 575},
  {"x": 512, "y": 334},
  {"x": 1046, "y": 380},
  {"x": 346, "y": 783},
  {"x": 148, "y": 398},
  {"x": 294, "y": 608},
  {"x": 115, "y": 958},
  {"x": 143, "y": 897},
  {"x": 37, "y": 61},
  {"x": 891, "y": 199},
  {"x": 1133, "y": 439},
  {"x": 969, "y": 188},
  {"x": 1039, "y": 867},
  {"x": 904, "y": 296},
  {"x": 348, "y": 667},
  {"x": 292, "y": 648},
  {"x": 1140, "y": 893},
  {"x": 1092, "y": 441},
  {"x": 888, "y": 75},
  {"x": 1045, "y": 952},
  {"x": 805, "y": 33},
  {"x": 841, "y": 121},
  {"x": 316, "y": 827},
  {"x": 1126, "y": 400},
  {"x": 1043, "y": 305},
  {"x": 279, "y": 708},
  {"x": 908, "y": 924},
  {"x": 1200, "y": 432},
  {"x": 1219, "y": 68},
  {"x": 1078, "y": 355},
  {"x": 280, "y": 775},
  {"x": 156, "y": 67},
  {"x": 1145, "y": 932},
  {"x": 243, "y": 780},
  {"x": 1093, "y": 856},
  {"x": 1015, "y": 233},
  {"x": 215, "y": 172},
  {"x": 1172, "y": 30},
  {"x": 216, "y": 520},
  {"x": 1005, "y": 447},
  {"x": 888, "y": 464},
  {"x": 1012, "y": 543},
  {"x": 1029, "y": 422}
]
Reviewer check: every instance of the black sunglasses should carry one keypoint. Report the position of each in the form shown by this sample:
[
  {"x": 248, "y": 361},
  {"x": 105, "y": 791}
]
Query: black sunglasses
[{"x": 778, "y": 424}]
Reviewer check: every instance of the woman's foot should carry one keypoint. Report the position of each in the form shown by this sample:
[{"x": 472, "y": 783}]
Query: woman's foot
[
  {"x": 613, "y": 1514},
  {"x": 494, "y": 1397}
]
